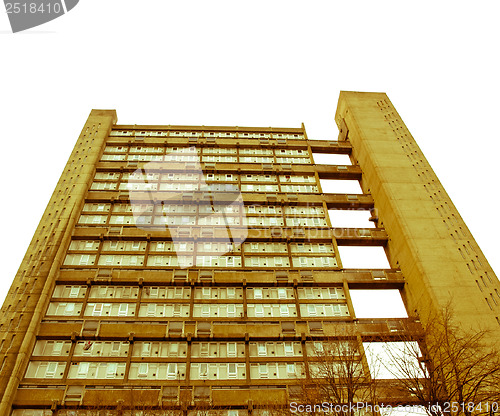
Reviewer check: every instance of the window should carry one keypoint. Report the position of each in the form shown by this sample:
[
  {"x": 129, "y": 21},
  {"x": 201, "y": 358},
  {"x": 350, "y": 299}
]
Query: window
[
  {"x": 171, "y": 371},
  {"x": 204, "y": 349},
  {"x": 142, "y": 370},
  {"x": 111, "y": 370},
  {"x": 333, "y": 293},
  {"x": 174, "y": 349},
  {"x": 263, "y": 371},
  {"x": 336, "y": 310},
  {"x": 231, "y": 349},
  {"x": 102, "y": 291},
  {"x": 288, "y": 349},
  {"x": 123, "y": 310},
  {"x": 231, "y": 370},
  {"x": 75, "y": 290},
  {"x": 318, "y": 347},
  {"x": 57, "y": 348},
  {"x": 127, "y": 292},
  {"x": 69, "y": 309},
  {"x": 231, "y": 310},
  {"x": 203, "y": 370},
  {"x": 96, "y": 219},
  {"x": 115, "y": 348},
  {"x": 97, "y": 310},
  {"x": 308, "y": 292},
  {"x": 146, "y": 349},
  {"x": 257, "y": 293},
  {"x": 50, "y": 372},
  {"x": 261, "y": 349},
  {"x": 83, "y": 369}
]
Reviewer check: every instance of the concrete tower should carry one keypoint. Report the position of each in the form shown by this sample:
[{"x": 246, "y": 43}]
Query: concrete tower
[{"x": 180, "y": 267}]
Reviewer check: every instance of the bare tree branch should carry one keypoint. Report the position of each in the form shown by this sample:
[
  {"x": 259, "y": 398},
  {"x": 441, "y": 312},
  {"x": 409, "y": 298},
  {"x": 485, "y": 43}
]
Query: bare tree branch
[{"x": 450, "y": 370}]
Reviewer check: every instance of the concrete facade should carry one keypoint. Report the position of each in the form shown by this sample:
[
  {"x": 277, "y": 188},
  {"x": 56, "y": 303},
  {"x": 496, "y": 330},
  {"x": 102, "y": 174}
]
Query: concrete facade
[
  {"x": 429, "y": 241},
  {"x": 168, "y": 311}
]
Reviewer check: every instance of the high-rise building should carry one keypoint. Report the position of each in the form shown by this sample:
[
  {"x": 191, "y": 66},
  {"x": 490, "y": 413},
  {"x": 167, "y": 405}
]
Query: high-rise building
[{"x": 180, "y": 267}]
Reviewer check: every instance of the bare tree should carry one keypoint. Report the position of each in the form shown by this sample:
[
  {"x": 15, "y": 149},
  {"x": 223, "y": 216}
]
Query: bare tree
[
  {"x": 449, "y": 370},
  {"x": 339, "y": 376}
]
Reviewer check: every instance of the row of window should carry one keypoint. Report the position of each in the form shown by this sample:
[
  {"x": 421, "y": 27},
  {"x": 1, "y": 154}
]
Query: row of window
[
  {"x": 177, "y": 157},
  {"x": 217, "y": 219},
  {"x": 124, "y": 260},
  {"x": 173, "y": 310},
  {"x": 223, "y": 134},
  {"x": 214, "y": 219},
  {"x": 205, "y": 150},
  {"x": 172, "y": 370},
  {"x": 213, "y": 293},
  {"x": 208, "y": 246},
  {"x": 193, "y": 186},
  {"x": 151, "y": 176},
  {"x": 164, "y": 371},
  {"x": 249, "y": 210},
  {"x": 164, "y": 349}
]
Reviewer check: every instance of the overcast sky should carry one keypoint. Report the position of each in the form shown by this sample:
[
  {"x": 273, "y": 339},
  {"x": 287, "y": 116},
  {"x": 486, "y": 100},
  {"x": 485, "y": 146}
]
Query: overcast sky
[{"x": 259, "y": 63}]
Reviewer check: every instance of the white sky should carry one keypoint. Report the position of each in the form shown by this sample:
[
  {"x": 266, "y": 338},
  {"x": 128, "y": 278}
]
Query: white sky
[
  {"x": 256, "y": 63},
  {"x": 389, "y": 303}
]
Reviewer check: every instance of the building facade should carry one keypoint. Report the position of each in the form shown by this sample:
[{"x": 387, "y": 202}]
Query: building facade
[{"x": 179, "y": 268}]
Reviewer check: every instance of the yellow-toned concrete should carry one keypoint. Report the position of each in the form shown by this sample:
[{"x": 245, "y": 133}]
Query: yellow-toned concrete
[
  {"x": 46, "y": 252},
  {"x": 246, "y": 391},
  {"x": 428, "y": 239}
]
